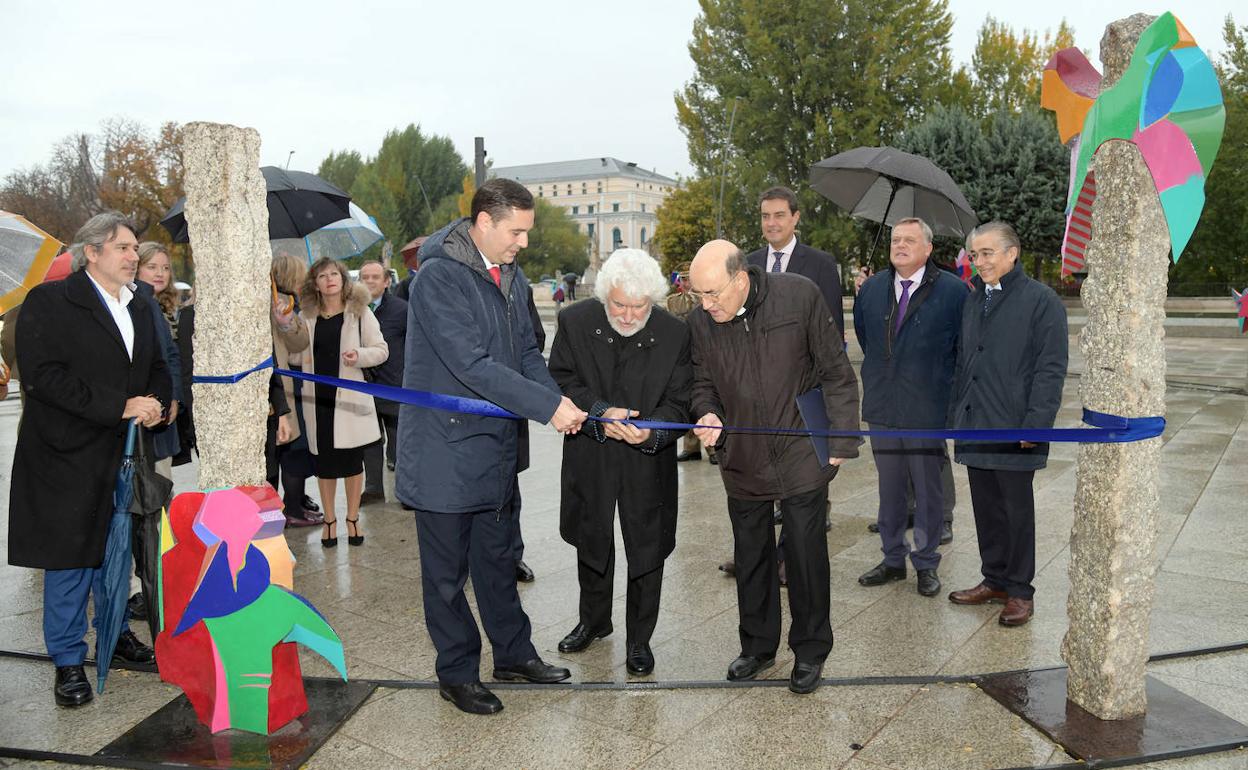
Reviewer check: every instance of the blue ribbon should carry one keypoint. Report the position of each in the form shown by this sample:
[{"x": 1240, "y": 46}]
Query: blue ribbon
[{"x": 1106, "y": 428}]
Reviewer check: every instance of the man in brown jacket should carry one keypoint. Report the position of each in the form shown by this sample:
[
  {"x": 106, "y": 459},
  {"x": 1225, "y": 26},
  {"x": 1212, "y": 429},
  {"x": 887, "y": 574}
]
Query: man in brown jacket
[{"x": 760, "y": 340}]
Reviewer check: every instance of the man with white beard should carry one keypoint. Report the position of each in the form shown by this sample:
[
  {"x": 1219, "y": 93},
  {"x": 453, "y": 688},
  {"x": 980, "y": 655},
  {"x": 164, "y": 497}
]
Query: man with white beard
[{"x": 616, "y": 358}]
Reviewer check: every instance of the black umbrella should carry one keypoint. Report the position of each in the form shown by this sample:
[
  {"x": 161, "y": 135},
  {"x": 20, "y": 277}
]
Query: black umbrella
[
  {"x": 883, "y": 184},
  {"x": 299, "y": 203}
]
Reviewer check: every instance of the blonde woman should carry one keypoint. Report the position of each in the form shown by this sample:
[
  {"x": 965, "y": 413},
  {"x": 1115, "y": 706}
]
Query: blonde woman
[
  {"x": 288, "y": 461},
  {"x": 156, "y": 270},
  {"x": 345, "y": 339}
]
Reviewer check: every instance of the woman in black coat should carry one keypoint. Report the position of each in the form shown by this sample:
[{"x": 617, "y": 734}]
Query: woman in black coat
[{"x": 621, "y": 356}]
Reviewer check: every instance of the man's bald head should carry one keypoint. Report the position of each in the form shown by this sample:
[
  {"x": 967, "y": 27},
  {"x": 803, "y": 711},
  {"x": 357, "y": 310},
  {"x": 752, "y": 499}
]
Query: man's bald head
[{"x": 718, "y": 278}]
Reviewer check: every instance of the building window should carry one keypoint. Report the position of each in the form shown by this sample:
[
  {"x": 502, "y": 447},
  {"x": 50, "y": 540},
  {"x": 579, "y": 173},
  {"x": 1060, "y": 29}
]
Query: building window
[
  {"x": 555, "y": 192},
  {"x": 539, "y": 194},
  {"x": 591, "y": 208},
  {"x": 643, "y": 208},
  {"x": 584, "y": 188},
  {"x": 590, "y": 230},
  {"x": 643, "y": 237},
  {"x": 616, "y": 239},
  {"x": 576, "y": 210},
  {"x": 600, "y": 187},
  {"x": 615, "y": 207},
  {"x": 639, "y": 185}
]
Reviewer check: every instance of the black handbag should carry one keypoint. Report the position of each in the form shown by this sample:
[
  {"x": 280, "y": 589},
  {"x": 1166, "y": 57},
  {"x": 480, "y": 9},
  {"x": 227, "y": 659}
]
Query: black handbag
[{"x": 151, "y": 491}]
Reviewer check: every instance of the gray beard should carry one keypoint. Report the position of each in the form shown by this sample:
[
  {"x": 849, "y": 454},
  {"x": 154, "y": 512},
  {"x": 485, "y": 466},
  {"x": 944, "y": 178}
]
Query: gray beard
[{"x": 640, "y": 325}]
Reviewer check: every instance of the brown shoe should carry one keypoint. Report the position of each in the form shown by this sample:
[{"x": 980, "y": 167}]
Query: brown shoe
[
  {"x": 1017, "y": 611},
  {"x": 980, "y": 594}
]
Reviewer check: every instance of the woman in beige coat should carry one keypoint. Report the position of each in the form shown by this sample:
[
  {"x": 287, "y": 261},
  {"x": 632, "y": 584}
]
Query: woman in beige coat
[{"x": 346, "y": 339}]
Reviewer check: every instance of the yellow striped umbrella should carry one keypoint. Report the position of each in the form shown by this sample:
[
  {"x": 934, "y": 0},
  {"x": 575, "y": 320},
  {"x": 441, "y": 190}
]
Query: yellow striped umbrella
[{"x": 26, "y": 253}]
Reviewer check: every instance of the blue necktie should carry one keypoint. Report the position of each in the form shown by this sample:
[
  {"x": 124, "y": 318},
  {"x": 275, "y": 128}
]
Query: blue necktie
[{"x": 775, "y": 266}]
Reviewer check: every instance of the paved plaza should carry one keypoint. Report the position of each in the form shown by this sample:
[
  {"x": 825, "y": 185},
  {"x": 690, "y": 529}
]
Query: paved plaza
[{"x": 371, "y": 595}]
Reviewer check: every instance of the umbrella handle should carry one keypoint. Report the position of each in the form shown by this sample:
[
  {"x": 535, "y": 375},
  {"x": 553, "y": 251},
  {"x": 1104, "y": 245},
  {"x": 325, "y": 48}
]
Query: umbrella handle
[
  {"x": 131, "y": 432},
  {"x": 883, "y": 220},
  {"x": 290, "y": 301}
]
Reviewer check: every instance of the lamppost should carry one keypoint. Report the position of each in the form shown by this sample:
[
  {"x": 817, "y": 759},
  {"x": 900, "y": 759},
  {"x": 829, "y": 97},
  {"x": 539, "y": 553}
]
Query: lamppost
[{"x": 292, "y": 152}]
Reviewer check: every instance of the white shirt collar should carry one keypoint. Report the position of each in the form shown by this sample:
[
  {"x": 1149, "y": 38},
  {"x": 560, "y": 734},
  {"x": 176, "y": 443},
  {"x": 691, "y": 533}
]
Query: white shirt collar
[
  {"x": 917, "y": 277},
  {"x": 788, "y": 247},
  {"x": 993, "y": 286},
  {"x": 124, "y": 294},
  {"x": 486, "y": 260}
]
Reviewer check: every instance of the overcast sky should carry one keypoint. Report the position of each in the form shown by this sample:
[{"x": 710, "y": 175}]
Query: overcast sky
[{"x": 540, "y": 80}]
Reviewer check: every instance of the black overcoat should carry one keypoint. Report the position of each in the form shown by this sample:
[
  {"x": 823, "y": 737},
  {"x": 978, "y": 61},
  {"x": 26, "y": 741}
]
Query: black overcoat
[
  {"x": 76, "y": 377},
  {"x": 649, "y": 372},
  {"x": 1010, "y": 372}
]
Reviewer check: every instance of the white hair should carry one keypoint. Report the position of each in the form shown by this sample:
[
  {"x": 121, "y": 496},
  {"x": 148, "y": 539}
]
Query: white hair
[{"x": 633, "y": 272}]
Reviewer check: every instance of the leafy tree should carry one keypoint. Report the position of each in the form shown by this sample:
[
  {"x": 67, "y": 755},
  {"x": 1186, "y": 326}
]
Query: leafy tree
[
  {"x": 808, "y": 79},
  {"x": 1007, "y": 66},
  {"x": 686, "y": 221},
  {"x": 556, "y": 244},
  {"x": 1217, "y": 257},
  {"x": 399, "y": 186},
  {"x": 341, "y": 168}
]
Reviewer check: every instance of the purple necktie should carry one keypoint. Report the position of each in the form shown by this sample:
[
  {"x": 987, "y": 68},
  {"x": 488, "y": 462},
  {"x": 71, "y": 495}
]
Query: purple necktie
[
  {"x": 775, "y": 266},
  {"x": 901, "y": 305}
]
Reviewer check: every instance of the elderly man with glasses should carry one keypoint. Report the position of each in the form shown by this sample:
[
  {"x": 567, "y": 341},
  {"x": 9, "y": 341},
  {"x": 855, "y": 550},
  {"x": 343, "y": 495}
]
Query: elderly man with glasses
[
  {"x": 1010, "y": 371},
  {"x": 760, "y": 340}
]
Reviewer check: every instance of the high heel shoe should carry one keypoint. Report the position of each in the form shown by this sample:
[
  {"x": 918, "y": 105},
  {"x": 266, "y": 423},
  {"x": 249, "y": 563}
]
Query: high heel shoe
[
  {"x": 330, "y": 542},
  {"x": 353, "y": 525}
]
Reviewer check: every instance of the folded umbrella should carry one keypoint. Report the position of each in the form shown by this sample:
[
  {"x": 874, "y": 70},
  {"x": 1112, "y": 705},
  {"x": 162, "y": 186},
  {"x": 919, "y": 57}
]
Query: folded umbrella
[
  {"x": 337, "y": 240},
  {"x": 299, "y": 203},
  {"x": 26, "y": 253},
  {"x": 114, "y": 579}
]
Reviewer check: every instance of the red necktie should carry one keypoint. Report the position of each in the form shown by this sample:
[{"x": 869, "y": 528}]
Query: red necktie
[{"x": 496, "y": 273}]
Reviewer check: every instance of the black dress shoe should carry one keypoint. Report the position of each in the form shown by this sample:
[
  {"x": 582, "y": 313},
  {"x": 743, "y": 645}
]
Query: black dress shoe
[
  {"x": 640, "y": 660},
  {"x": 929, "y": 583},
  {"x": 137, "y": 607},
  {"x": 131, "y": 650},
  {"x": 581, "y": 637},
  {"x": 523, "y": 573},
  {"x": 536, "y": 671},
  {"x": 309, "y": 504},
  {"x": 749, "y": 666},
  {"x": 946, "y": 533},
  {"x": 806, "y": 677},
  {"x": 389, "y": 466},
  {"x": 714, "y": 459},
  {"x": 368, "y": 498},
  {"x": 685, "y": 457},
  {"x": 72, "y": 688},
  {"x": 472, "y": 698},
  {"x": 881, "y": 574}
]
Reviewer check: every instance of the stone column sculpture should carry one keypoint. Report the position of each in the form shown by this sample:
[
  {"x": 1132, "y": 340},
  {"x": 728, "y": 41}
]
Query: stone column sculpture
[
  {"x": 1112, "y": 544},
  {"x": 228, "y": 222}
]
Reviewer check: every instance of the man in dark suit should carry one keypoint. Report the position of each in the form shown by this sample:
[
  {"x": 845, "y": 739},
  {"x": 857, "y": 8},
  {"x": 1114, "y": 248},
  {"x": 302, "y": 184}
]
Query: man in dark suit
[
  {"x": 907, "y": 320},
  {"x": 1010, "y": 372},
  {"x": 391, "y": 312},
  {"x": 785, "y": 254},
  {"x": 90, "y": 362}
]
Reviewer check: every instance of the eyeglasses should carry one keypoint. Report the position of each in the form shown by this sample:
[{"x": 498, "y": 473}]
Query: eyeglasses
[{"x": 713, "y": 296}]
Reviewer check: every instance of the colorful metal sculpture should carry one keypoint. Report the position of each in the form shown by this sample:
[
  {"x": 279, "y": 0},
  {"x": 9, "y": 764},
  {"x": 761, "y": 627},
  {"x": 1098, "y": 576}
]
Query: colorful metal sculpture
[
  {"x": 1168, "y": 103},
  {"x": 228, "y": 615}
]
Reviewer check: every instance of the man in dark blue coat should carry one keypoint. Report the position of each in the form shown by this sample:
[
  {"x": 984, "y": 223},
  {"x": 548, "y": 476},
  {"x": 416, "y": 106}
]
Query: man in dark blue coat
[
  {"x": 391, "y": 312},
  {"x": 469, "y": 334},
  {"x": 1010, "y": 372},
  {"x": 90, "y": 363},
  {"x": 907, "y": 321}
]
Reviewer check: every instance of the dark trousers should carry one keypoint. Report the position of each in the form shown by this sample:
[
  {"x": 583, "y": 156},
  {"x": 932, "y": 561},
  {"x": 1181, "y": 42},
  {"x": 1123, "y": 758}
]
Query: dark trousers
[
  {"x": 291, "y": 470},
  {"x": 641, "y": 607},
  {"x": 917, "y": 460},
  {"x": 517, "y": 539},
  {"x": 948, "y": 491},
  {"x": 65, "y": 593},
  {"x": 374, "y": 477},
  {"x": 454, "y": 546},
  {"x": 1005, "y": 522},
  {"x": 806, "y": 567}
]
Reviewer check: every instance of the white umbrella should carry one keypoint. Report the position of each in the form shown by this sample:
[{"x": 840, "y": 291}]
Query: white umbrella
[{"x": 339, "y": 240}]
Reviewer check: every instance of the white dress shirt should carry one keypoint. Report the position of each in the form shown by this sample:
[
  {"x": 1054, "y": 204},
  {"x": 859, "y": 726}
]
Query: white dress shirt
[
  {"x": 116, "y": 307},
  {"x": 917, "y": 278},
  {"x": 786, "y": 252}
]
